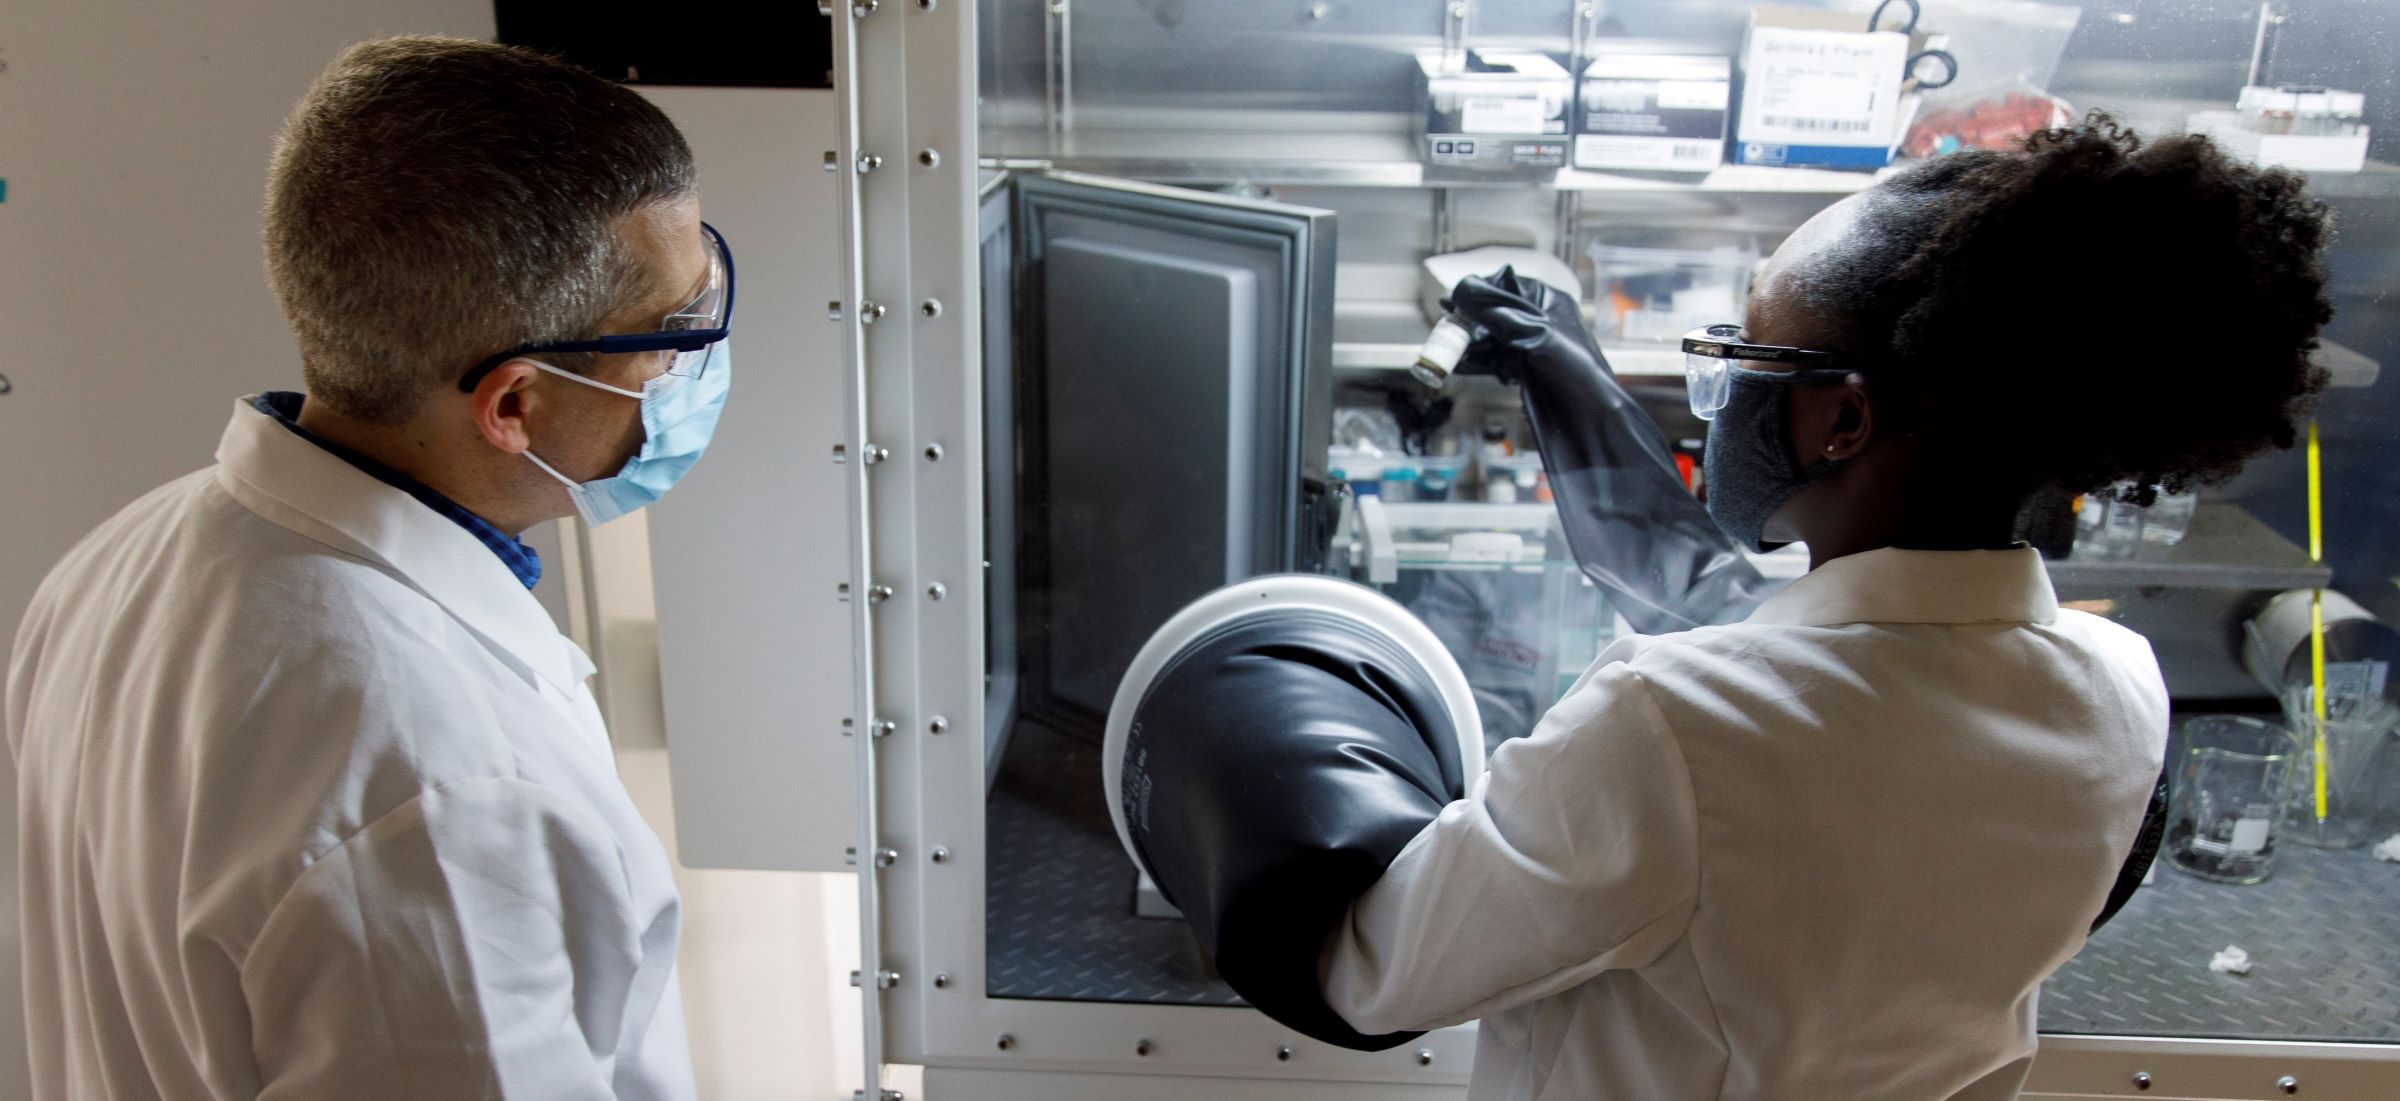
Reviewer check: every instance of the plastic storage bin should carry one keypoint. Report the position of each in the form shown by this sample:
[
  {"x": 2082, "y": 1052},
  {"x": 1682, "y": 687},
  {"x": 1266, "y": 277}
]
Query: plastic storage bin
[
  {"x": 1660, "y": 282},
  {"x": 1508, "y": 479},
  {"x": 1496, "y": 585},
  {"x": 1438, "y": 476}
]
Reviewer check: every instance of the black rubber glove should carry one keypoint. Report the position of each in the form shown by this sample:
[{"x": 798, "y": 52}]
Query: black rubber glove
[
  {"x": 2145, "y": 850},
  {"x": 1270, "y": 776},
  {"x": 1633, "y": 527}
]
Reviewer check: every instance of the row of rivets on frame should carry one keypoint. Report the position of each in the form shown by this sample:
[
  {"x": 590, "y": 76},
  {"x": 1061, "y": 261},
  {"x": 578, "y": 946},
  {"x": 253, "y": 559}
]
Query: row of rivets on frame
[
  {"x": 865, "y": 8},
  {"x": 2286, "y": 1085},
  {"x": 870, "y": 312},
  {"x": 1144, "y": 1048}
]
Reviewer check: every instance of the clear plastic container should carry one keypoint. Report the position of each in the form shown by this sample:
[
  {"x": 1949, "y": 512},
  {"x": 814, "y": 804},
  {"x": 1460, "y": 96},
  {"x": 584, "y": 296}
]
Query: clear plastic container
[
  {"x": 1365, "y": 431},
  {"x": 1660, "y": 282},
  {"x": 1509, "y": 479},
  {"x": 1496, "y": 585},
  {"x": 2107, "y": 528},
  {"x": 1361, "y": 467},
  {"x": 2169, "y": 518},
  {"x": 1438, "y": 476}
]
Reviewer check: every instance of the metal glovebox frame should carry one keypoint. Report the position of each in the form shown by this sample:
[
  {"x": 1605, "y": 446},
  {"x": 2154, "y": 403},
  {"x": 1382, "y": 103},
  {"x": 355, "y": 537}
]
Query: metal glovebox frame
[
  {"x": 912, "y": 415},
  {"x": 913, "y": 409}
]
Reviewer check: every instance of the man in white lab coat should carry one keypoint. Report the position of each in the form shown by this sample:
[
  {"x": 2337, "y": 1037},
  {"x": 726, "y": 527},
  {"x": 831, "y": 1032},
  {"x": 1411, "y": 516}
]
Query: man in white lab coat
[{"x": 315, "y": 801}]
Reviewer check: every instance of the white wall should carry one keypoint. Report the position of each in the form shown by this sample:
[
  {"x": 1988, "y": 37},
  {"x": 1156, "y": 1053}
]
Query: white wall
[
  {"x": 133, "y": 304},
  {"x": 134, "y": 137}
]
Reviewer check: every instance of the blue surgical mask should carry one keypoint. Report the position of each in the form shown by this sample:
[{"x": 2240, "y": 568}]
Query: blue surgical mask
[
  {"x": 1748, "y": 463},
  {"x": 679, "y": 415}
]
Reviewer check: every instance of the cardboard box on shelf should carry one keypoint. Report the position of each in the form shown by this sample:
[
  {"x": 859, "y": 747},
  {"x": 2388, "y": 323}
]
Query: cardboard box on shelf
[
  {"x": 1653, "y": 108},
  {"x": 1493, "y": 112},
  {"x": 1820, "y": 90}
]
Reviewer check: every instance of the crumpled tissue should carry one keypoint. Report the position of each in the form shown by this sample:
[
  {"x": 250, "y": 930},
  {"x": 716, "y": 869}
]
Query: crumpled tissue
[
  {"x": 2231, "y": 961},
  {"x": 2389, "y": 849}
]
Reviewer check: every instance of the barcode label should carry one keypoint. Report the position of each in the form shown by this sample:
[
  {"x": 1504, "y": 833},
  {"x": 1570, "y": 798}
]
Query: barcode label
[
  {"x": 1831, "y": 126},
  {"x": 1602, "y": 151}
]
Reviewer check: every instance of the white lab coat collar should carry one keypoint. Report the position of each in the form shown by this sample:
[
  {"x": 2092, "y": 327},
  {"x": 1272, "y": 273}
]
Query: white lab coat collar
[
  {"x": 298, "y": 485},
  {"x": 1891, "y": 585}
]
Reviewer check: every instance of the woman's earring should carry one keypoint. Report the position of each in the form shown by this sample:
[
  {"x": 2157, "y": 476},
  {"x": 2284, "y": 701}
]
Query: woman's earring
[{"x": 1829, "y": 449}]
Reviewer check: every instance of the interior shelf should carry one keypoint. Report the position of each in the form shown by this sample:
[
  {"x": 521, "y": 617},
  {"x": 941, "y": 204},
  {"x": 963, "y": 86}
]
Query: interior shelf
[
  {"x": 1356, "y": 159},
  {"x": 1384, "y": 158},
  {"x": 1385, "y": 336},
  {"x": 2226, "y": 548}
]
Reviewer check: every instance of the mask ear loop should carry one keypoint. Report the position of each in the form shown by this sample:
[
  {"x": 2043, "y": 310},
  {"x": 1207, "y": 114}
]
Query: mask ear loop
[
  {"x": 550, "y": 470},
  {"x": 575, "y": 491}
]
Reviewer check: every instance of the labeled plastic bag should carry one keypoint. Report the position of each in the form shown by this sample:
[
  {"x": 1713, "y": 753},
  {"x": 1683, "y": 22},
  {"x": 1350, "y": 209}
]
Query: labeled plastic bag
[
  {"x": 1992, "y": 117},
  {"x": 2000, "y": 43}
]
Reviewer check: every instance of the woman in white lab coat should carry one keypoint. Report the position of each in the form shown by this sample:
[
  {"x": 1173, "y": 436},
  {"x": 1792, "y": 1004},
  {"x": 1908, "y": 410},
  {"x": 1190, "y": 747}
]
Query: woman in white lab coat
[
  {"x": 1831, "y": 851},
  {"x": 315, "y": 800}
]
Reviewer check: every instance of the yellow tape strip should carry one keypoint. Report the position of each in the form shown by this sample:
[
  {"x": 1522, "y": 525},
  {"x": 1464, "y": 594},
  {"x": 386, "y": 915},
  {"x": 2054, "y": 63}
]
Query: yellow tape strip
[{"x": 2316, "y": 609}]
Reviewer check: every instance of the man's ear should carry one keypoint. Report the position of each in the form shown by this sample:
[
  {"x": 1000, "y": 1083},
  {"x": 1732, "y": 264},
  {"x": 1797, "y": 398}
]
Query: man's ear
[{"x": 503, "y": 401}]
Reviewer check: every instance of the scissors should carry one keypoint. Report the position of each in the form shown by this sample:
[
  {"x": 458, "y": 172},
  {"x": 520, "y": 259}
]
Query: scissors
[{"x": 1949, "y": 63}]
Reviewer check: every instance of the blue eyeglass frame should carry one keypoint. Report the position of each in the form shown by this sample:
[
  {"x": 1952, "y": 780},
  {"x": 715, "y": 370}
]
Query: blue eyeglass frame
[{"x": 680, "y": 340}]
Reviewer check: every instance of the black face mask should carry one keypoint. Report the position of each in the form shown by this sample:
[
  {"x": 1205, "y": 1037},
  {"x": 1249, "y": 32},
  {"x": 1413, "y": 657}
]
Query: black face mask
[{"x": 1749, "y": 458}]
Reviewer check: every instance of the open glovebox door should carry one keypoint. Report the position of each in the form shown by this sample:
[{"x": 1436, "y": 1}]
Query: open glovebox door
[
  {"x": 1157, "y": 407},
  {"x": 1156, "y": 410}
]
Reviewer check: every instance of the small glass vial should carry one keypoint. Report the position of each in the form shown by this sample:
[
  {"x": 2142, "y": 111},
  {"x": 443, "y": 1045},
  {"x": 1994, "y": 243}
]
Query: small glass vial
[{"x": 1438, "y": 357}]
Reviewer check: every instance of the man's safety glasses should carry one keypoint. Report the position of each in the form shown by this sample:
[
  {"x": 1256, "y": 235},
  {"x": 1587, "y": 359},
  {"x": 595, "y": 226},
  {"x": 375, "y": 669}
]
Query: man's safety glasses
[
  {"x": 1709, "y": 353},
  {"x": 687, "y": 332}
]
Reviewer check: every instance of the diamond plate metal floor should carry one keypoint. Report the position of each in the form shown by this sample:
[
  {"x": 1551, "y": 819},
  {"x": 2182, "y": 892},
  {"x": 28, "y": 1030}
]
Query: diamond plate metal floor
[
  {"x": 1059, "y": 901},
  {"x": 2323, "y": 935},
  {"x": 2324, "y": 932}
]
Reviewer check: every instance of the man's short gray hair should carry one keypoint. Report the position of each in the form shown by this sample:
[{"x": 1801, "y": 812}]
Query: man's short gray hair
[{"x": 436, "y": 201}]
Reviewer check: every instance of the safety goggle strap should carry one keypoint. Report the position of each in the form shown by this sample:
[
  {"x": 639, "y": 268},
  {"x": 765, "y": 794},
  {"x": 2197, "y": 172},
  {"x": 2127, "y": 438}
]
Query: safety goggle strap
[{"x": 591, "y": 382}]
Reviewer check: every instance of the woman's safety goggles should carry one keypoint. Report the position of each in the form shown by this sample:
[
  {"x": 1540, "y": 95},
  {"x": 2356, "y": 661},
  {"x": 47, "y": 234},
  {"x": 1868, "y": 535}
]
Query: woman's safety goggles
[
  {"x": 687, "y": 332},
  {"x": 1709, "y": 369}
]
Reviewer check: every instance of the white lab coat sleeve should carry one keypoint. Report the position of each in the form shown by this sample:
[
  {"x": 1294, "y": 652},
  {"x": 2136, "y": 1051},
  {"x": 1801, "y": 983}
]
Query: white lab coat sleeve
[
  {"x": 478, "y": 941},
  {"x": 1576, "y": 853}
]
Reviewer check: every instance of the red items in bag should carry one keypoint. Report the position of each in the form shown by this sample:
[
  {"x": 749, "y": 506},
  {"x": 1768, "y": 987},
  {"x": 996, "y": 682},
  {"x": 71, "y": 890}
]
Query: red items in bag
[{"x": 1995, "y": 121}]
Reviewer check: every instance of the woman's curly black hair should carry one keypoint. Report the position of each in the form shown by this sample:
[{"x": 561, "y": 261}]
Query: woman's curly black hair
[{"x": 2090, "y": 309}]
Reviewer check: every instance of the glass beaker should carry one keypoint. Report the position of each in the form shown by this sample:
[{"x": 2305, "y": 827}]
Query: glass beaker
[
  {"x": 2169, "y": 518},
  {"x": 2107, "y": 528},
  {"x": 2227, "y": 792},
  {"x": 2356, "y": 762}
]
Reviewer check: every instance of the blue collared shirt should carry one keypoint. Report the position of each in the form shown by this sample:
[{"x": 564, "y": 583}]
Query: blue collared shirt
[{"x": 284, "y": 406}]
